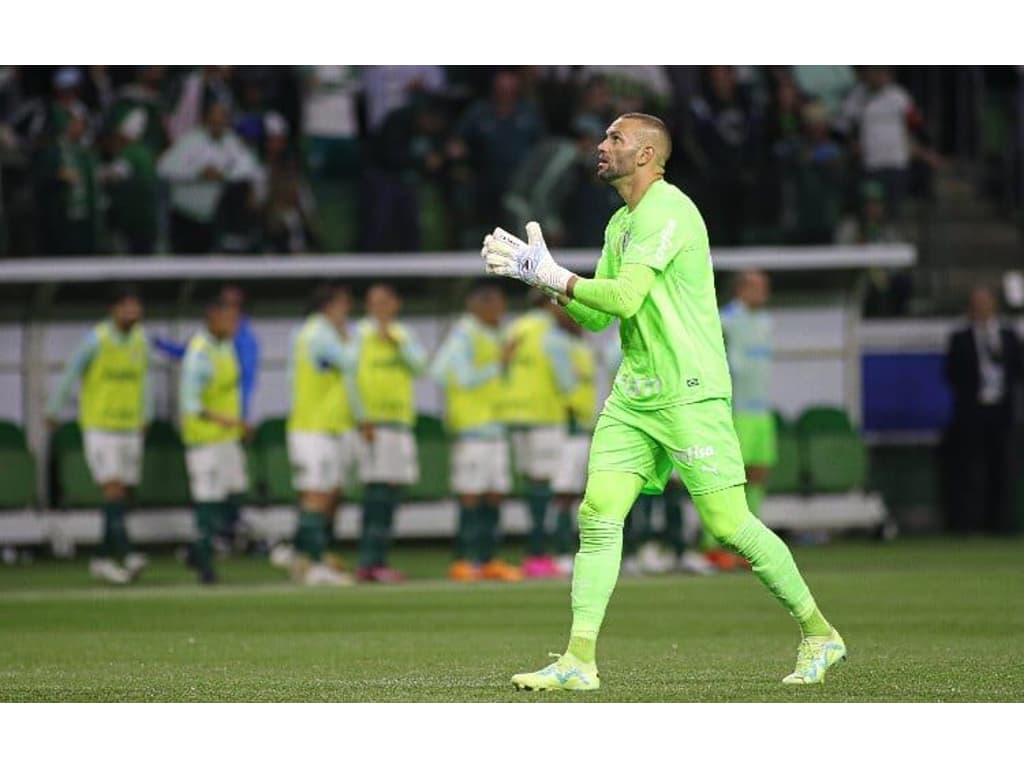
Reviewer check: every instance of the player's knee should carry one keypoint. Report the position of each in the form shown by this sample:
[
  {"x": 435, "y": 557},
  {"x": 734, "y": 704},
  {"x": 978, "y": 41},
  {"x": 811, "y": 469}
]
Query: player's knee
[{"x": 722, "y": 513}]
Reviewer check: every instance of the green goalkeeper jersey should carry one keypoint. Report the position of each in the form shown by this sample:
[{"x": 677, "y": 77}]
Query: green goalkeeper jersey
[{"x": 673, "y": 351}]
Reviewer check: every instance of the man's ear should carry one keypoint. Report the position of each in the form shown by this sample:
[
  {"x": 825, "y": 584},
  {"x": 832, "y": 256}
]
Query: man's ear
[{"x": 645, "y": 155}]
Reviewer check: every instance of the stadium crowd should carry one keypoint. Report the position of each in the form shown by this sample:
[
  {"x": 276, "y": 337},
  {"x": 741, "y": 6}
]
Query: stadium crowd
[{"x": 141, "y": 160}]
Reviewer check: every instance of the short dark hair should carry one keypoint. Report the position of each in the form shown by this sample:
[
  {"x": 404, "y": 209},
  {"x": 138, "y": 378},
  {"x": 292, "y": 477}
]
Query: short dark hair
[
  {"x": 325, "y": 293},
  {"x": 122, "y": 291},
  {"x": 654, "y": 123},
  {"x": 482, "y": 285}
]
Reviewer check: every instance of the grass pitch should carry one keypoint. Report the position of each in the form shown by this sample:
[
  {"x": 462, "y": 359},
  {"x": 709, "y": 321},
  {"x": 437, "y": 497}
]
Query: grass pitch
[{"x": 931, "y": 620}]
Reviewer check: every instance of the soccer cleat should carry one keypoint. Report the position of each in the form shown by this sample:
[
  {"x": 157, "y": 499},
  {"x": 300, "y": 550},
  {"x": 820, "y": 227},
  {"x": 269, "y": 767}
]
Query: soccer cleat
[
  {"x": 695, "y": 563},
  {"x": 814, "y": 656},
  {"x": 499, "y": 570},
  {"x": 109, "y": 571},
  {"x": 135, "y": 563},
  {"x": 322, "y": 575},
  {"x": 564, "y": 563},
  {"x": 379, "y": 574},
  {"x": 723, "y": 560},
  {"x": 653, "y": 560},
  {"x": 463, "y": 570},
  {"x": 540, "y": 567},
  {"x": 566, "y": 673},
  {"x": 282, "y": 555}
]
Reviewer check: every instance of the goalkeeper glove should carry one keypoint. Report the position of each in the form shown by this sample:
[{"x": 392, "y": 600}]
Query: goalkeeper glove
[{"x": 529, "y": 262}]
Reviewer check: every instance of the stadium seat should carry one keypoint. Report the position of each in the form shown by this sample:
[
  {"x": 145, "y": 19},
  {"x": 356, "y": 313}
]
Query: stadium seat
[
  {"x": 835, "y": 462},
  {"x": 74, "y": 481},
  {"x": 164, "y": 480},
  {"x": 12, "y": 436},
  {"x": 432, "y": 448},
  {"x": 823, "y": 418},
  {"x": 17, "y": 478},
  {"x": 787, "y": 474}
]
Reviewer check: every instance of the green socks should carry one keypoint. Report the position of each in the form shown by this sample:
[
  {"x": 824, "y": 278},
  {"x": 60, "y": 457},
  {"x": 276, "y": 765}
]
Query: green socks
[
  {"x": 488, "y": 531},
  {"x": 538, "y": 496},
  {"x": 379, "y": 502},
  {"x": 311, "y": 535},
  {"x": 115, "y": 534},
  {"x": 207, "y": 522},
  {"x": 755, "y": 495},
  {"x": 583, "y": 648},
  {"x": 595, "y": 571},
  {"x": 565, "y": 533},
  {"x": 466, "y": 533}
]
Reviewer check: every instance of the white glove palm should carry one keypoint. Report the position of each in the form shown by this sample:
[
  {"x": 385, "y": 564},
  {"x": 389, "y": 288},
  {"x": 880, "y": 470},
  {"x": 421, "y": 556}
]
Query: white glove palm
[{"x": 529, "y": 262}]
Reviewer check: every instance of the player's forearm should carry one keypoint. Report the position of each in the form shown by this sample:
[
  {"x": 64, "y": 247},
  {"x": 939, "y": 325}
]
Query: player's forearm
[
  {"x": 621, "y": 296},
  {"x": 592, "y": 319}
]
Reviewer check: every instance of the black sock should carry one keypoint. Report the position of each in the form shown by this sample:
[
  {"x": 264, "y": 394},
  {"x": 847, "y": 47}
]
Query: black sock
[
  {"x": 375, "y": 510},
  {"x": 674, "y": 534},
  {"x": 207, "y": 523},
  {"x": 565, "y": 532}
]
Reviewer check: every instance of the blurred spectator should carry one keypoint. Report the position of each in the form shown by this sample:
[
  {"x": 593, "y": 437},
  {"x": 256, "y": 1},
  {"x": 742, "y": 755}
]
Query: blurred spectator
[
  {"x": 493, "y": 138},
  {"x": 409, "y": 156},
  {"x": 984, "y": 367},
  {"x": 557, "y": 183},
  {"x": 331, "y": 143},
  {"x": 870, "y": 225},
  {"x": 130, "y": 181},
  {"x": 97, "y": 89},
  {"x": 815, "y": 172},
  {"x": 65, "y": 184},
  {"x": 144, "y": 92},
  {"x": 212, "y": 174},
  {"x": 595, "y": 103},
  {"x": 289, "y": 209},
  {"x": 881, "y": 117},
  {"x": 200, "y": 88},
  {"x": 633, "y": 88},
  {"x": 724, "y": 151},
  {"x": 389, "y": 88},
  {"x": 330, "y": 121},
  {"x": 828, "y": 85}
]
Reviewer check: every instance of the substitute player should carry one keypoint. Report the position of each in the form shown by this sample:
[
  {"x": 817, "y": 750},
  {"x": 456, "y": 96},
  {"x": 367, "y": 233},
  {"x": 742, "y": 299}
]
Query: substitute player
[
  {"x": 748, "y": 341},
  {"x": 670, "y": 402},
  {"x": 389, "y": 360},
  {"x": 570, "y": 476},
  {"x": 212, "y": 427},
  {"x": 322, "y": 440},
  {"x": 471, "y": 366},
  {"x": 114, "y": 407},
  {"x": 540, "y": 375}
]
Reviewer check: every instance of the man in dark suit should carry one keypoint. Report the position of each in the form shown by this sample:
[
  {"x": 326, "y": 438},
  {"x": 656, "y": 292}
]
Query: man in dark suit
[{"x": 984, "y": 366}]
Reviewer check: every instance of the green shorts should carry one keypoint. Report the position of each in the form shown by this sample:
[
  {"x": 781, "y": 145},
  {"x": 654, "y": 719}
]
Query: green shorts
[
  {"x": 756, "y": 432},
  {"x": 697, "y": 439}
]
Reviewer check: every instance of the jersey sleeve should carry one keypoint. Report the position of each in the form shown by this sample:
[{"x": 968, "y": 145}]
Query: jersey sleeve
[
  {"x": 73, "y": 371},
  {"x": 196, "y": 370}
]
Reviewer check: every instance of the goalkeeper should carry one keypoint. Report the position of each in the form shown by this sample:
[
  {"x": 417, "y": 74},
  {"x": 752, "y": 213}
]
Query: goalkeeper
[{"x": 670, "y": 401}]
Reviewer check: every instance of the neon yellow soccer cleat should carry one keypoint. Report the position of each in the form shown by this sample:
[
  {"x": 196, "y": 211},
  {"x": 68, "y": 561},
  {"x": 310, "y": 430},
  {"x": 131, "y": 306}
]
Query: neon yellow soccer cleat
[
  {"x": 567, "y": 673},
  {"x": 814, "y": 657}
]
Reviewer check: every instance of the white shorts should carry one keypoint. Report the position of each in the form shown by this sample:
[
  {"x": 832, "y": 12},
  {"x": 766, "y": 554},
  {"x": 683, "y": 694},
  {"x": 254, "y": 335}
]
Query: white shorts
[
  {"x": 537, "y": 450},
  {"x": 391, "y": 457},
  {"x": 480, "y": 465},
  {"x": 320, "y": 461},
  {"x": 571, "y": 474},
  {"x": 216, "y": 470},
  {"x": 113, "y": 457}
]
